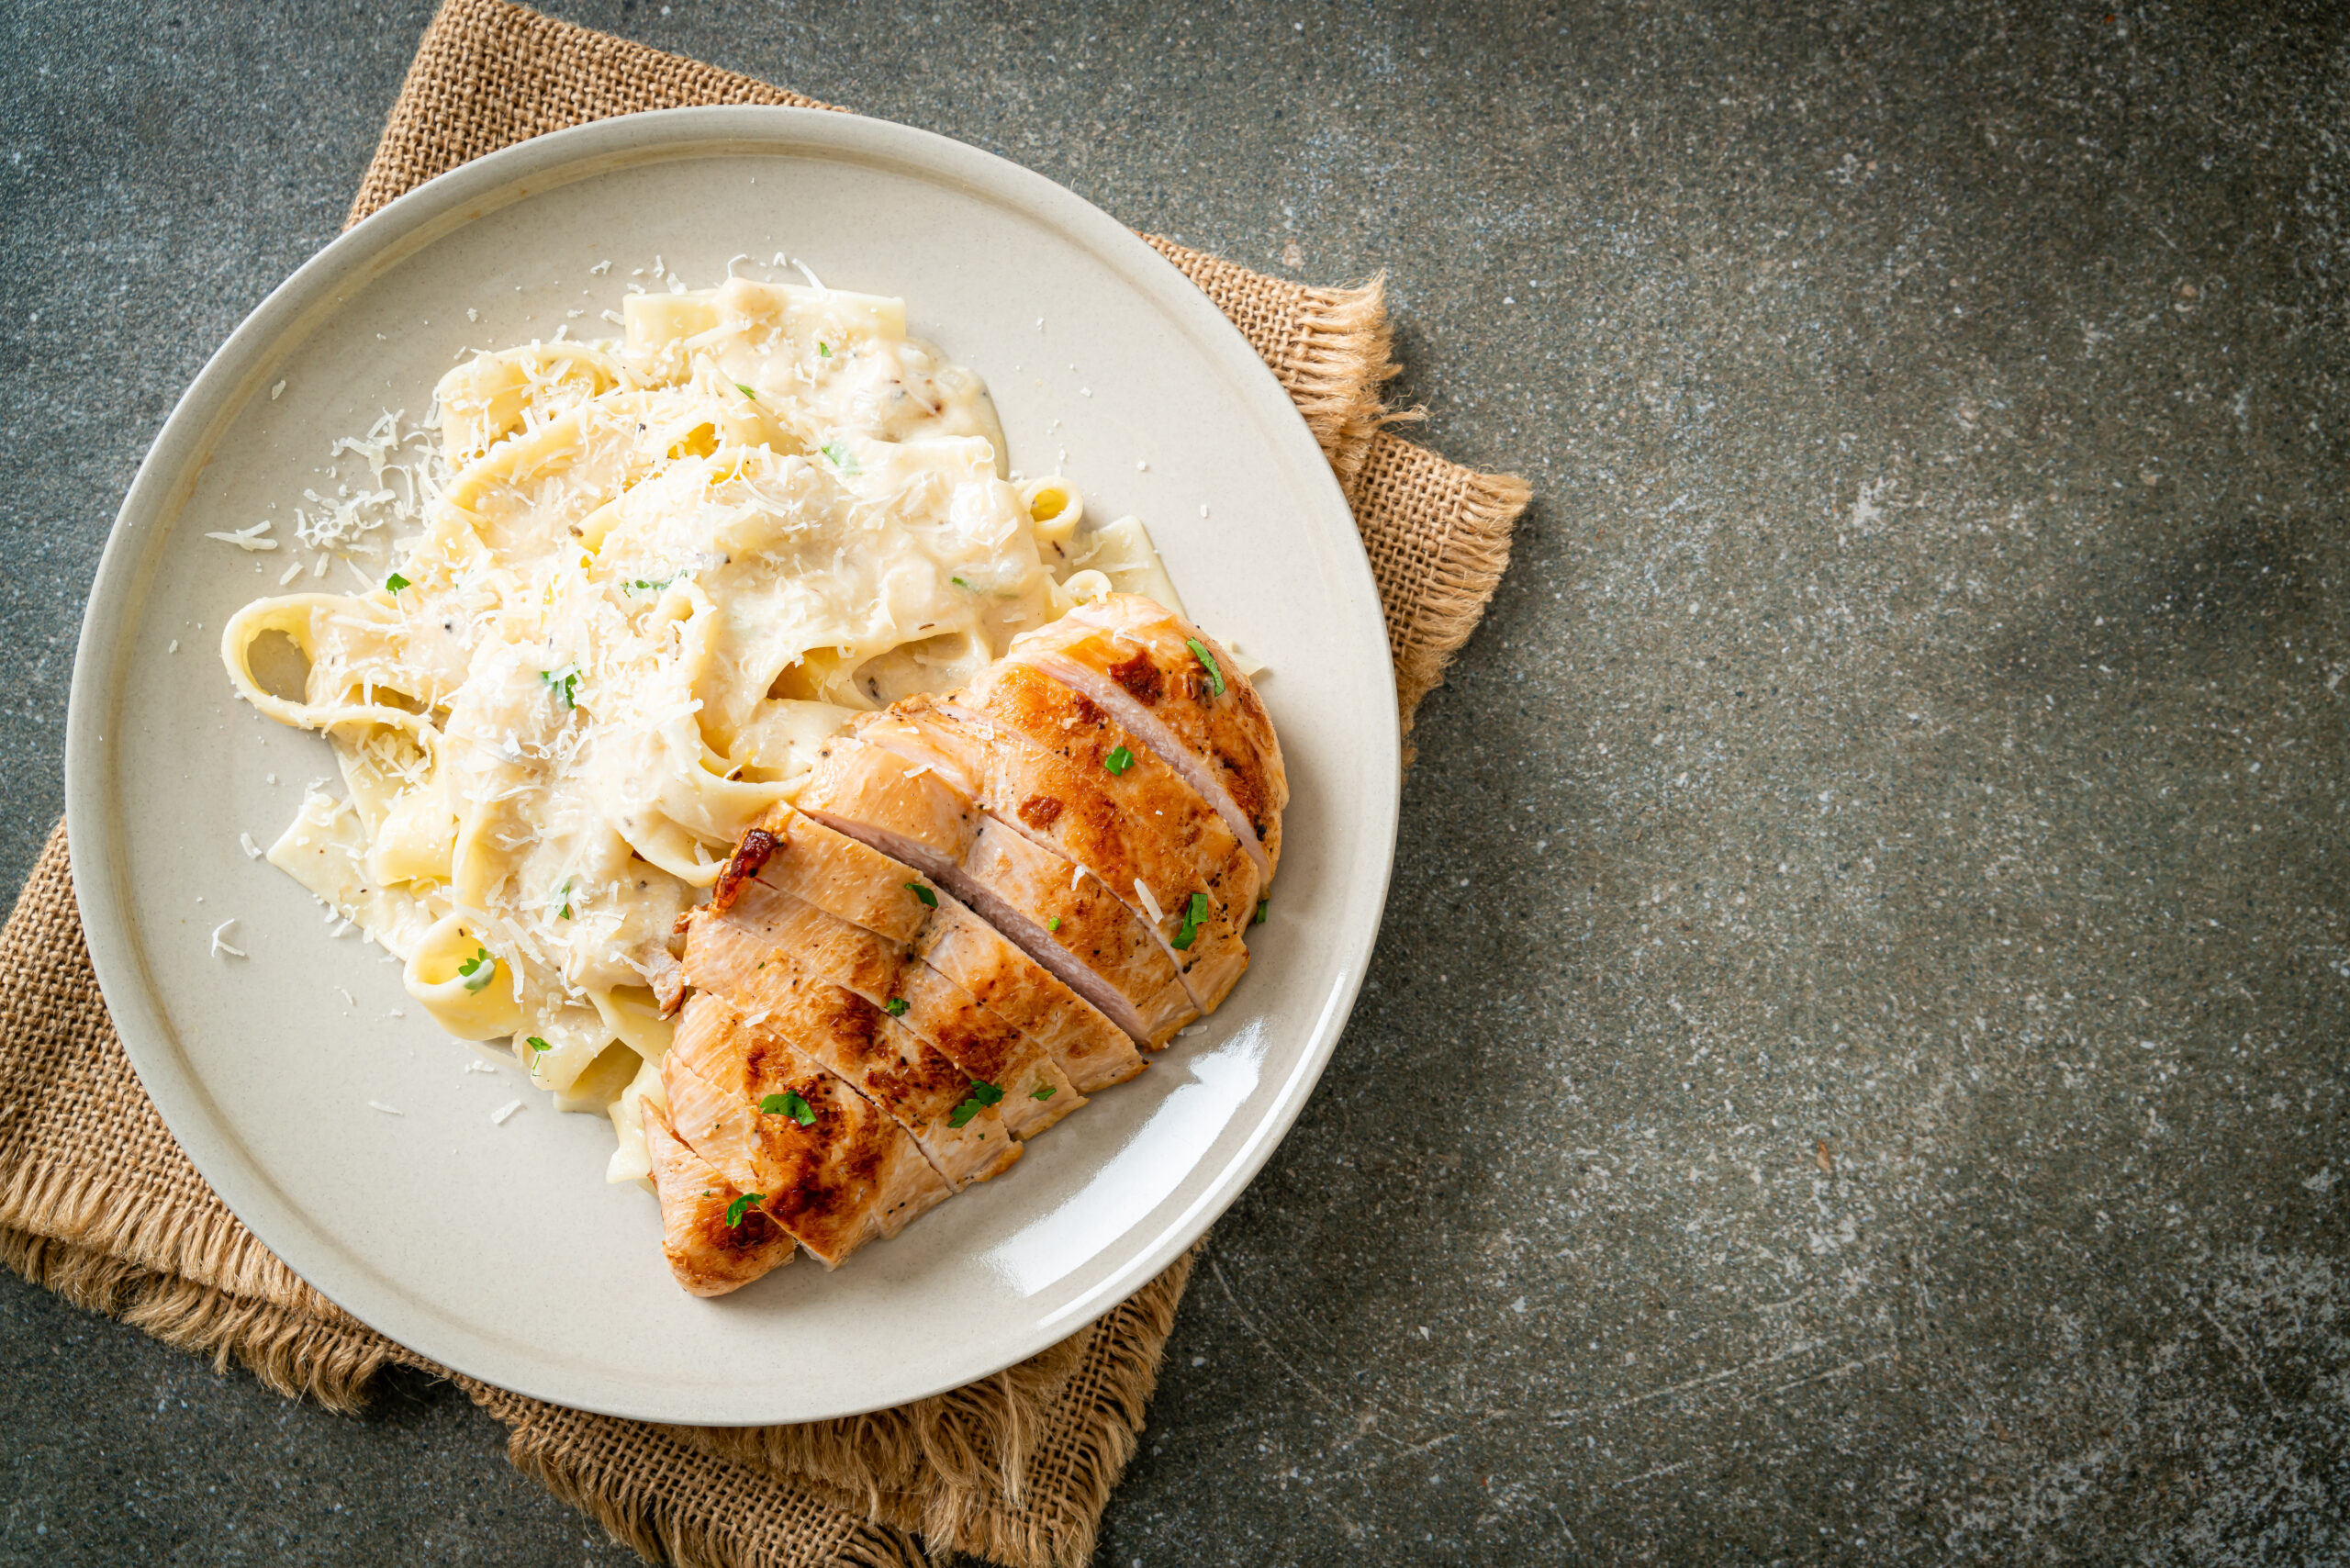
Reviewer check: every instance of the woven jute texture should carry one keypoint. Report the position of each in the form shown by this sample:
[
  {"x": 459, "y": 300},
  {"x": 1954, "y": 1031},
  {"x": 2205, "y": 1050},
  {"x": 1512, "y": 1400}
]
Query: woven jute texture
[{"x": 98, "y": 1203}]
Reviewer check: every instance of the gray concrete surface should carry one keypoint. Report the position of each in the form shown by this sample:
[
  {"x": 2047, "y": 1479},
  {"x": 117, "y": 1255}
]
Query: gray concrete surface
[{"x": 1852, "y": 1072}]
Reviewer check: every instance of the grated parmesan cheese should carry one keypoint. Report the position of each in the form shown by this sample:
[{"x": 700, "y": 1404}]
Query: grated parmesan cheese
[
  {"x": 612, "y": 598},
  {"x": 254, "y": 538}
]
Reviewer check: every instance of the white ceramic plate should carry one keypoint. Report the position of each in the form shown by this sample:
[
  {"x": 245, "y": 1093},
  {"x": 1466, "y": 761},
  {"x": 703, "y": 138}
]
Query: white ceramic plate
[{"x": 500, "y": 1250}]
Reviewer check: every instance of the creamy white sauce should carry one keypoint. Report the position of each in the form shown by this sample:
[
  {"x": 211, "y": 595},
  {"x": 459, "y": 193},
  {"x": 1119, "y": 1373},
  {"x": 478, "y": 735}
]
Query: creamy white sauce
[{"x": 650, "y": 578}]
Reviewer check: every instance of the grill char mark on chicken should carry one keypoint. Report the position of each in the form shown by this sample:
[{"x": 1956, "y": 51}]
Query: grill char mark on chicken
[
  {"x": 889, "y": 1065},
  {"x": 848, "y": 1175},
  {"x": 708, "y": 1256},
  {"x": 986, "y": 1048}
]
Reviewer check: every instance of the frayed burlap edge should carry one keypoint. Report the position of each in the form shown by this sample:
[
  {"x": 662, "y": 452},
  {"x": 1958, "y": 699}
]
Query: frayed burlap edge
[
  {"x": 292, "y": 1351},
  {"x": 976, "y": 1437},
  {"x": 1345, "y": 353},
  {"x": 504, "y": 52},
  {"x": 996, "y": 1494},
  {"x": 1469, "y": 568},
  {"x": 655, "y": 1494},
  {"x": 1127, "y": 1349},
  {"x": 104, "y": 1215}
]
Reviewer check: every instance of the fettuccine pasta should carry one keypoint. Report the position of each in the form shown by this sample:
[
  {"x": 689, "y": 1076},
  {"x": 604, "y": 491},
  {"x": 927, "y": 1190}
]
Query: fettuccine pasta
[{"x": 649, "y": 579}]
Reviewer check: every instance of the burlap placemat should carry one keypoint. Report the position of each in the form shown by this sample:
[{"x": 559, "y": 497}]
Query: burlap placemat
[{"x": 99, "y": 1203}]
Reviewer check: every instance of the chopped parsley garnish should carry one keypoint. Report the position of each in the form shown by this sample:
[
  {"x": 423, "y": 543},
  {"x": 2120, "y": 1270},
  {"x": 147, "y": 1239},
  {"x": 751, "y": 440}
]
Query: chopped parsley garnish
[
  {"x": 1043, "y": 1091},
  {"x": 790, "y": 1105},
  {"x": 740, "y": 1205},
  {"x": 843, "y": 458},
  {"x": 824, "y": 350},
  {"x": 746, "y": 392},
  {"x": 1207, "y": 662},
  {"x": 1261, "y": 905},
  {"x": 1054, "y": 923},
  {"x": 895, "y": 1007},
  {"x": 958, "y": 582},
  {"x": 395, "y": 583},
  {"x": 1195, "y": 915},
  {"x": 563, "y": 893},
  {"x": 652, "y": 585},
  {"x": 929, "y": 899},
  {"x": 983, "y": 1094},
  {"x": 476, "y": 970},
  {"x": 566, "y": 682},
  {"x": 537, "y": 1043},
  {"x": 1118, "y": 761}
]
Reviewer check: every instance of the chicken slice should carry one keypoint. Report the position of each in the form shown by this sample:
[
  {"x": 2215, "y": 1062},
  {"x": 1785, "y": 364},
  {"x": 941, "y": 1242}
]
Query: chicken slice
[
  {"x": 799, "y": 856},
  {"x": 1096, "y": 749},
  {"x": 860, "y": 884},
  {"x": 891, "y": 1066},
  {"x": 1066, "y": 921},
  {"x": 1036, "y": 1092},
  {"x": 1067, "y": 908},
  {"x": 1142, "y": 831},
  {"x": 844, "y": 1175},
  {"x": 928, "y": 824},
  {"x": 1093, "y": 1052},
  {"x": 1133, "y": 657},
  {"x": 709, "y": 1256}
]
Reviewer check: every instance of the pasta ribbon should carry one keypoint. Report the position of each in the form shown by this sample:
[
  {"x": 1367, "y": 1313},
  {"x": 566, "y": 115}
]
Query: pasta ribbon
[
  {"x": 648, "y": 578},
  {"x": 478, "y": 1004}
]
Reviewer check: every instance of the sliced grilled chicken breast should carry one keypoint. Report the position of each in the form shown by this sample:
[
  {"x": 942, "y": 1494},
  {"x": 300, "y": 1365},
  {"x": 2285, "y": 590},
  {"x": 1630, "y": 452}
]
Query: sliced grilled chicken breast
[
  {"x": 1143, "y": 831},
  {"x": 1093, "y": 1052},
  {"x": 844, "y": 1175},
  {"x": 1153, "y": 803},
  {"x": 860, "y": 884},
  {"x": 907, "y": 813},
  {"x": 708, "y": 1256},
  {"x": 1036, "y": 1092},
  {"x": 795, "y": 853},
  {"x": 1133, "y": 657},
  {"x": 1063, "y": 919},
  {"x": 1066, "y": 908},
  {"x": 894, "y": 1066},
  {"x": 979, "y": 905}
]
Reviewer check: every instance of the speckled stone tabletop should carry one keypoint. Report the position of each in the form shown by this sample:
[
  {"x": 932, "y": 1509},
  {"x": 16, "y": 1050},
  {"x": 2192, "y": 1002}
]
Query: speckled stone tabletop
[{"x": 1854, "y": 1068}]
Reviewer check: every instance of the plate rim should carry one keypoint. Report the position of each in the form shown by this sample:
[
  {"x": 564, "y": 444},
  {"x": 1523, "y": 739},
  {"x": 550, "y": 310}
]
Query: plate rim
[{"x": 165, "y": 480}]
